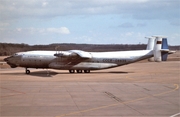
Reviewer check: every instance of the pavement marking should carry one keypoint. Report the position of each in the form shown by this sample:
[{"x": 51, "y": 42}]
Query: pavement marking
[
  {"x": 116, "y": 104},
  {"x": 112, "y": 96},
  {"x": 18, "y": 92},
  {"x": 175, "y": 115}
]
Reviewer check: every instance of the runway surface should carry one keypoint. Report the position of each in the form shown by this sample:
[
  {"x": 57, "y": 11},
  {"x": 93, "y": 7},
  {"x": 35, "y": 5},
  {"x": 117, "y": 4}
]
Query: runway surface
[{"x": 136, "y": 90}]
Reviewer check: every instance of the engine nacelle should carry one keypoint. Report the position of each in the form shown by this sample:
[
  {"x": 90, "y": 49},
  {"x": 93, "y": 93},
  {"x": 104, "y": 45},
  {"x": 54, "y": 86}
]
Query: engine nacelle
[{"x": 66, "y": 55}]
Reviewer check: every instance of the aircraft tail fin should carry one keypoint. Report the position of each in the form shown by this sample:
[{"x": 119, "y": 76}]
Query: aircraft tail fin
[
  {"x": 161, "y": 49},
  {"x": 150, "y": 46}
]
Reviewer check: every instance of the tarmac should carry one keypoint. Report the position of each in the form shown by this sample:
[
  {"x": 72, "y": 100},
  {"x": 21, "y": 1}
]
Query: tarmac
[{"x": 145, "y": 89}]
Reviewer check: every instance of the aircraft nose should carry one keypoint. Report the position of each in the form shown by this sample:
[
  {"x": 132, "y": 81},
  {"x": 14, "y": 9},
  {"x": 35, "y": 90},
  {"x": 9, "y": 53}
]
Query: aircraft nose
[{"x": 6, "y": 59}]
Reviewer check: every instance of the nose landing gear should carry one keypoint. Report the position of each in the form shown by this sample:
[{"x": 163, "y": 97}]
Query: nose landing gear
[{"x": 27, "y": 71}]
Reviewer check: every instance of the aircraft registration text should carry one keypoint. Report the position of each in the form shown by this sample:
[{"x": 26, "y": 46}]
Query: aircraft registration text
[{"x": 114, "y": 60}]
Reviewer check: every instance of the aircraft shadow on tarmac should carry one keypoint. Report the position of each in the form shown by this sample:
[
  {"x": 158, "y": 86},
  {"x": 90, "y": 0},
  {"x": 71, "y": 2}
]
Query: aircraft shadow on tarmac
[
  {"x": 53, "y": 73},
  {"x": 43, "y": 73},
  {"x": 38, "y": 73}
]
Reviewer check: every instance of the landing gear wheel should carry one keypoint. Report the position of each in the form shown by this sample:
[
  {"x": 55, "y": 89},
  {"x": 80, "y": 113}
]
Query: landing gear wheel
[
  {"x": 79, "y": 71},
  {"x": 71, "y": 71},
  {"x": 27, "y": 71},
  {"x": 86, "y": 71}
]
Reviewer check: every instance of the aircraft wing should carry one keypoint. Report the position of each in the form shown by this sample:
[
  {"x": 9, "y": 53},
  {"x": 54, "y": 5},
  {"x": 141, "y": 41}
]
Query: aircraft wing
[
  {"x": 82, "y": 54},
  {"x": 73, "y": 54},
  {"x": 73, "y": 57}
]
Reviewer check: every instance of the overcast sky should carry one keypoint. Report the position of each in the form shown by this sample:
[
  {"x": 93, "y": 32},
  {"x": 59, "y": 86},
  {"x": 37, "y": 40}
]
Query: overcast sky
[{"x": 88, "y": 21}]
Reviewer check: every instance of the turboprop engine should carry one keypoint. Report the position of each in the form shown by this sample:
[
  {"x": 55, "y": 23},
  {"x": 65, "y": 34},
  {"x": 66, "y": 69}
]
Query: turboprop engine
[{"x": 66, "y": 54}]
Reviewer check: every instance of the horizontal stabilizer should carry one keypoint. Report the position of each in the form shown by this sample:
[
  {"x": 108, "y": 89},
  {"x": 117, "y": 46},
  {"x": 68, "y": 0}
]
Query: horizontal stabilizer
[
  {"x": 171, "y": 52},
  {"x": 165, "y": 50}
]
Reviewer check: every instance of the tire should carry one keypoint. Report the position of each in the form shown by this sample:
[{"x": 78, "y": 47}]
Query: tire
[
  {"x": 79, "y": 71},
  {"x": 71, "y": 71},
  {"x": 86, "y": 71},
  {"x": 27, "y": 71}
]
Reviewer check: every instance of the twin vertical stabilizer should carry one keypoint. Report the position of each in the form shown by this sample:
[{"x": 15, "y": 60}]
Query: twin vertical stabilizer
[
  {"x": 161, "y": 49},
  {"x": 159, "y": 45}
]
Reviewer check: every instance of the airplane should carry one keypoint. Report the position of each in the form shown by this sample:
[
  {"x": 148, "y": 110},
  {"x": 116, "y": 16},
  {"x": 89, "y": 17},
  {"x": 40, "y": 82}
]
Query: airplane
[{"x": 81, "y": 61}]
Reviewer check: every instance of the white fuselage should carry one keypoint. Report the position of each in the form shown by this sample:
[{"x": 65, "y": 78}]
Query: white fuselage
[
  {"x": 96, "y": 61},
  {"x": 78, "y": 60}
]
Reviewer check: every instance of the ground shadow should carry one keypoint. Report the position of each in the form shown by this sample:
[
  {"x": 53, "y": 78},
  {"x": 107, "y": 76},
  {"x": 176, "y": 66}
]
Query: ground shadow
[
  {"x": 43, "y": 73},
  {"x": 53, "y": 73},
  {"x": 98, "y": 72},
  {"x": 34, "y": 73}
]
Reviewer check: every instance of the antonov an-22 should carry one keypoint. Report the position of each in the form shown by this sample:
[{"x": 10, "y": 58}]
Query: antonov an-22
[{"x": 79, "y": 61}]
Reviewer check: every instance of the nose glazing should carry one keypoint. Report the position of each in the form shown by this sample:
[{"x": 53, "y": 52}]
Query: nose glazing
[{"x": 7, "y": 59}]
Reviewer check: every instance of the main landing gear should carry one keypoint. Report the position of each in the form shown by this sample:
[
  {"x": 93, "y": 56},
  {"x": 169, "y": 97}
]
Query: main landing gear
[
  {"x": 70, "y": 71},
  {"x": 27, "y": 71},
  {"x": 79, "y": 71}
]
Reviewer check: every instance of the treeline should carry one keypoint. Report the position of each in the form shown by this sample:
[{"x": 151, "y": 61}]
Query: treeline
[{"x": 10, "y": 48}]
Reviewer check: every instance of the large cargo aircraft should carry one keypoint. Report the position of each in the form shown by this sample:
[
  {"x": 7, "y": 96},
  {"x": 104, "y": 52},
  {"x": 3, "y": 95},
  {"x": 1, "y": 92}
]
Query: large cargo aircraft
[{"x": 81, "y": 61}]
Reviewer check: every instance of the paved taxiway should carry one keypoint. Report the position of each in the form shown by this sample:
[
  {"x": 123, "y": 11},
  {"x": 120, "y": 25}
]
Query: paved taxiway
[{"x": 140, "y": 89}]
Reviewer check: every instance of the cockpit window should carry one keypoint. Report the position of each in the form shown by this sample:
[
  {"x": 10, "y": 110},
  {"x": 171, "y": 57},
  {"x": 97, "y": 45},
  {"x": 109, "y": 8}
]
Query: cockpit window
[{"x": 18, "y": 54}]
